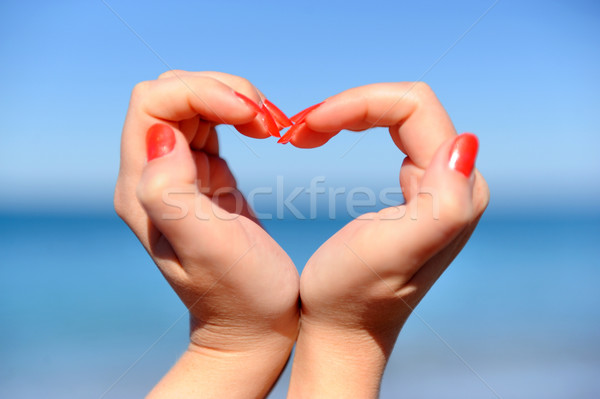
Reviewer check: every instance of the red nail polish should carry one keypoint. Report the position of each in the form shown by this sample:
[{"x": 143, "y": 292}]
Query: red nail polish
[
  {"x": 248, "y": 102},
  {"x": 464, "y": 153},
  {"x": 264, "y": 115},
  {"x": 280, "y": 118},
  {"x": 287, "y": 137},
  {"x": 300, "y": 116},
  {"x": 269, "y": 122},
  {"x": 160, "y": 140}
]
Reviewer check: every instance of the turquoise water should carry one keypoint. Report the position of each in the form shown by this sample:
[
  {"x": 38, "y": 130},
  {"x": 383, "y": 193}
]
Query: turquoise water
[{"x": 81, "y": 302}]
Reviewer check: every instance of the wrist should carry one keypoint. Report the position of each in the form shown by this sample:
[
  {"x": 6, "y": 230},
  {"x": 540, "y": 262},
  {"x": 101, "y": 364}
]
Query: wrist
[
  {"x": 245, "y": 336},
  {"x": 332, "y": 362},
  {"x": 209, "y": 373}
]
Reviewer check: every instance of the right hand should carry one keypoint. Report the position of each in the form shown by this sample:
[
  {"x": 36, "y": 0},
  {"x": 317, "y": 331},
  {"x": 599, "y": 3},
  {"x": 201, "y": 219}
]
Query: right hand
[{"x": 239, "y": 285}]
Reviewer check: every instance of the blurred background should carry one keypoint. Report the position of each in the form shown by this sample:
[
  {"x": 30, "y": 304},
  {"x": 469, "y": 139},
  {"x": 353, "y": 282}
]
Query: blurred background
[{"x": 85, "y": 314}]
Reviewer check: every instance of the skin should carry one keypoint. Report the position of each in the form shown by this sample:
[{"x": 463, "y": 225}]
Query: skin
[
  {"x": 359, "y": 287},
  {"x": 241, "y": 288}
]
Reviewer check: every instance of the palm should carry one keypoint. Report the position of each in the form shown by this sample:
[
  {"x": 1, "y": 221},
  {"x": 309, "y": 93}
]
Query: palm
[
  {"x": 243, "y": 268},
  {"x": 367, "y": 269},
  {"x": 352, "y": 263}
]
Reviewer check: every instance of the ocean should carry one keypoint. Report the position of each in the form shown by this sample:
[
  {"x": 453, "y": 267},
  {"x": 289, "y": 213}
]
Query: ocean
[{"x": 84, "y": 313}]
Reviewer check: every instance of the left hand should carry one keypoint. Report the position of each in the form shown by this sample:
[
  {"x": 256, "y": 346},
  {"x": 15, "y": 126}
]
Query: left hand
[{"x": 360, "y": 286}]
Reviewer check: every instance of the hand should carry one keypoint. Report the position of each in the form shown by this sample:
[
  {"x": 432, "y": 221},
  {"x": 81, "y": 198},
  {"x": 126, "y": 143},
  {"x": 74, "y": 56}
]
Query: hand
[
  {"x": 360, "y": 286},
  {"x": 180, "y": 199}
]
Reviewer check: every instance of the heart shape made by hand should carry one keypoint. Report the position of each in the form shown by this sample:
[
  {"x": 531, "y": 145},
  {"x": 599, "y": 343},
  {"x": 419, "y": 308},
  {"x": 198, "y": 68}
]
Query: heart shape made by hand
[{"x": 239, "y": 285}]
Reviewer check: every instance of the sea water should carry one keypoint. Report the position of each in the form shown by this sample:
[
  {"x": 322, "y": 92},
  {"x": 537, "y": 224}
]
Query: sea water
[{"x": 84, "y": 313}]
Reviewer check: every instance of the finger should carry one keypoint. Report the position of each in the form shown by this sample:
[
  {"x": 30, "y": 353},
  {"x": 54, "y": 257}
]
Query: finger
[
  {"x": 278, "y": 115},
  {"x": 178, "y": 98},
  {"x": 302, "y": 136},
  {"x": 213, "y": 174},
  {"x": 481, "y": 194},
  {"x": 427, "y": 274},
  {"x": 272, "y": 118},
  {"x": 211, "y": 146},
  {"x": 432, "y": 269},
  {"x": 443, "y": 206},
  {"x": 418, "y": 122},
  {"x": 262, "y": 126},
  {"x": 237, "y": 83},
  {"x": 170, "y": 100},
  {"x": 200, "y": 134},
  {"x": 185, "y": 96},
  {"x": 433, "y": 217},
  {"x": 410, "y": 179},
  {"x": 202, "y": 165},
  {"x": 265, "y": 126},
  {"x": 221, "y": 179},
  {"x": 244, "y": 86},
  {"x": 168, "y": 193}
]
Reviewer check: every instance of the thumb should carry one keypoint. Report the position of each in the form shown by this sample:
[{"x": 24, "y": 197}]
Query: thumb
[
  {"x": 168, "y": 191},
  {"x": 437, "y": 212},
  {"x": 444, "y": 201}
]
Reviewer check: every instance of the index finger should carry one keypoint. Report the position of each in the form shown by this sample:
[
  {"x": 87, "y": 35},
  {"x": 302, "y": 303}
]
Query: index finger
[
  {"x": 417, "y": 120},
  {"x": 175, "y": 100},
  {"x": 182, "y": 97}
]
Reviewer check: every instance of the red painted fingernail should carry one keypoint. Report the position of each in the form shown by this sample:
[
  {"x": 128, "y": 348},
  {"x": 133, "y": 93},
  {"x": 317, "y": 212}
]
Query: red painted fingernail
[
  {"x": 300, "y": 116},
  {"x": 269, "y": 122},
  {"x": 248, "y": 102},
  {"x": 464, "y": 153},
  {"x": 265, "y": 116},
  {"x": 280, "y": 118},
  {"x": 160, "y": 140},
  {"x": 287, "y": 137}
]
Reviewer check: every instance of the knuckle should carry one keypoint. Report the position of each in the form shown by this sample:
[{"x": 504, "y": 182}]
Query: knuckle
[
  {"x": 453, "y": 211},
  {"x": 422, "y": 88},
  {"x": 449, "y": 210},
  {"x": 151, "y": 191},
  {"x": 221, "y": 176},
  {"x": 244, "y": 86},
  {"x": 370, "y": 216},
  {"x": 140, "y": 90},
  {"x": 217, "y": 164},
  {"x": 170, "y": 73},
  {"x": 421, "y": 92}
]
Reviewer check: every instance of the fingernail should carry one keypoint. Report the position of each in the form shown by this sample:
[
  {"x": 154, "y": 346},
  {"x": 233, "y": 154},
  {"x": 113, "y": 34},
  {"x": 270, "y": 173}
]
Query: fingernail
[
  {"x": 464, "y": 153},
  {"x": 287, "y": 137},
  {"x": 300, "y": 116},
  {"x": 263, "y": 113},
  {"x": 160, "y": 140},
  {"x": 248, "y": 102},
  {"x": 269, "y": 122},
  {"x": 280, "y": 118}
]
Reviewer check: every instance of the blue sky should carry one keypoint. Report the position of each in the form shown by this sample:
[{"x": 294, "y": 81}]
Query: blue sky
[{"x": 524, "y": 78}]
